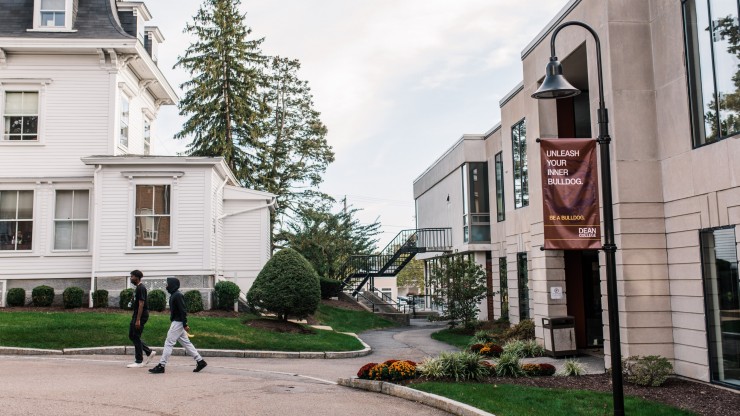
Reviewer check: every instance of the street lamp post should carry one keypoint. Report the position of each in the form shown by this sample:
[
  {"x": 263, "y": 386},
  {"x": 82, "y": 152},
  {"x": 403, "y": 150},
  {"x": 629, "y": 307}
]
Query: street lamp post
[{"x": 556, "y": 86}]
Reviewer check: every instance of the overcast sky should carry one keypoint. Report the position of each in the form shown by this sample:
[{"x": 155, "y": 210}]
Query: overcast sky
[{"x": 397, "y": 82}]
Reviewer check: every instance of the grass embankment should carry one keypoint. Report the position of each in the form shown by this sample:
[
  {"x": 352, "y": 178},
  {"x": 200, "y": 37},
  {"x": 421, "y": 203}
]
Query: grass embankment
[
  {"x": 511, "y": 400},
  {"x": 345, "y": 320},
  {"x": 57, "y": 330},
  {"x": 459, "y": 338}
]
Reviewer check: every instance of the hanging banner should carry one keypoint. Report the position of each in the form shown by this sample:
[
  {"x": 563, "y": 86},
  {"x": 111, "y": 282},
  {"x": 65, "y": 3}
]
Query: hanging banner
[{"x": 570, "y": 194}]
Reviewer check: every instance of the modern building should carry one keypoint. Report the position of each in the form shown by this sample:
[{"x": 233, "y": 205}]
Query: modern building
[
  {"x": 82, "y": 199},
  {"x": 671, "y": 87}
]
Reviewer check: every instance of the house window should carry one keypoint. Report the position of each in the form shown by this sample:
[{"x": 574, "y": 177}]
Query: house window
[
  {"x": 152, "y": 216},
  {"x": 500, "y": 209},
  {"x": 523, "y": 283},
  {"x": 147, "y": 137},
  {"x": 504, "y": 287},
  {"x": 123, "y": 137},
  {"x": 71, "y": 218},
  {"x": 713, "y": 63},
  {"x": 21, "y": 115},
  {"x": 722, "y": 301},
  {"x": 53, "y": 13},
  {"x": 16, "y": 220},
  {"x": 476, "y": 215},
  {"x": 521, "y": 175}
]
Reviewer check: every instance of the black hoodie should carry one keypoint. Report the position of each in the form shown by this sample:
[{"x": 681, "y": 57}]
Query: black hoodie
[{"x": 177, "y": 301}]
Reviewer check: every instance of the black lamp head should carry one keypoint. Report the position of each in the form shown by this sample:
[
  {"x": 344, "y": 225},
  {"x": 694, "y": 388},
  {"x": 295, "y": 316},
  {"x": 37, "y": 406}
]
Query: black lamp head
[{"x": 555, "y": 85}]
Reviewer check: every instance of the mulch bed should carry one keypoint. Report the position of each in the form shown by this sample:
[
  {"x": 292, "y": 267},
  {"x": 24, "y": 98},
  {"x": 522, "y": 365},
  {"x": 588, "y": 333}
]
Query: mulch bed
[
  {"x": 279, "y": 326},
  {"x": 703, "y": 399}
]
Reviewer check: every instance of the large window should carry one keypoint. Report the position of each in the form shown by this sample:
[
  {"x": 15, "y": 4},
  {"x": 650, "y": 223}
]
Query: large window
[
  {"x": 152, "y": 216},
  {"x": 21, "y": 115},
  {"x": 476, "y": 210},
  {"x": 53, "y": 13},
  {"x": 521, "y": 175},
  {"x": 713, "y": 51},
  {"x": 523, "y": 283},
  {"x": 722, "y": 300},
  {"x": 71, "y": 218},
  {"x": 504, "y": 287},
  {"x": 16, "y": 220},
  {"x": 500, "y": 208},
  {"x": 123, "y": 136}
]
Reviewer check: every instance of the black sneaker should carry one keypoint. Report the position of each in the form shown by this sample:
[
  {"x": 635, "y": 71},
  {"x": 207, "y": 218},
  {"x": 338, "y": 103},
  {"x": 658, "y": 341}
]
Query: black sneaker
[
  {"x": 159, "y": 369},
  {"x": 198, "y": 366}
]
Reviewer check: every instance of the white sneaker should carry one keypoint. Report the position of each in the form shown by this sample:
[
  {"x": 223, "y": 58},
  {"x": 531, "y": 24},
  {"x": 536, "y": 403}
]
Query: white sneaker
[
  {"x": 150, "y": 356},
  {"x": 135, "y": 365}
]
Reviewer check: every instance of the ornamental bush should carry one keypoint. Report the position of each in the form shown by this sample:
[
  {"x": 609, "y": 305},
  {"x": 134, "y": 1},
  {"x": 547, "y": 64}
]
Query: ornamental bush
[
  {"x": 523, "y": 330},
  {"x": 572, "y": 367},
  {"x": 364, "y": 371},
  {"x": 491, "y": 350},
  {"x": 330, "y": 288},
  {"x": 193, "y": 301},
  {"x": 157, "y": 300},
  {"x": 100, "y": 298},
  {"x": 42, "y": 295},
  {"x": 508, "y": 365},
  {"x": 401, "y": 370},
  {"x": 16, "y": 297},
  {"x": 650, "y": 370},
  {"x": 460, "y": 366},
  {"x": 226, "y": 294},
  {"x": 287, "y": 286},
  {"x": 72, "y": 297},
  {"x": 125, "y": 299},
  {"x": 546, "y": 369}
]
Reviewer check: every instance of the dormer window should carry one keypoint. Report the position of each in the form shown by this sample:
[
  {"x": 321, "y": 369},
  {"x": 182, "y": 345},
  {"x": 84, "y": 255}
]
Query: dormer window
[{"x": 53, "y": 15}]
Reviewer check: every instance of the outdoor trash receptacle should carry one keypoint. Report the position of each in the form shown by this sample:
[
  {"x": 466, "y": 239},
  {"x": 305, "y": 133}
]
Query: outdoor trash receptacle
[{"x": 560, "y": 335}]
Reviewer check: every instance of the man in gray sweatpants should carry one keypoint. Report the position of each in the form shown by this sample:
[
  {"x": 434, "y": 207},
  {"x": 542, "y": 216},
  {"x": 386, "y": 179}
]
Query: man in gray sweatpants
[{"x": 178, "y": 330}]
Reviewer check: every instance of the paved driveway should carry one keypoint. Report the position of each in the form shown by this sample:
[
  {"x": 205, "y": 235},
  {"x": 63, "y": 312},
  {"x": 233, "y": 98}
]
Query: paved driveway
[{"x": 228, "y": 386}]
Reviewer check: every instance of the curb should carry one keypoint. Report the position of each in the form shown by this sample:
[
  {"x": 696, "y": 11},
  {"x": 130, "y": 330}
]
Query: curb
[
  {"x": 432, "y": 400},
  {"x": 129, "y": 350}
]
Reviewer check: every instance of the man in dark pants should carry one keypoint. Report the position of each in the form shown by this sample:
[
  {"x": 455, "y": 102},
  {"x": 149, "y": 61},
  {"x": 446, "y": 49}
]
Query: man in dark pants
[
  {"x": 139, "y": 318},
  {"x": 178, "y": 330}
]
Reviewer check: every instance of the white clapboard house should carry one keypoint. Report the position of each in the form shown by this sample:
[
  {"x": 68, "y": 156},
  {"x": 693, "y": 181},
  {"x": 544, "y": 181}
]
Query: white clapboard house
[{"x": 82, "y": 200}]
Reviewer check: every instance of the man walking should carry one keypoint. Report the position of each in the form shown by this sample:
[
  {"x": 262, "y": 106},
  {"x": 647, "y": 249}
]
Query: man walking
[
  {"x": 138, "y": 319},
  {"x": 178, "y": 330}
]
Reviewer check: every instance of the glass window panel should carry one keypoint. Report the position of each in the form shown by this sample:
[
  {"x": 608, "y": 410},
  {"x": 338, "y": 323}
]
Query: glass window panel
[
  {"x": 64, "y": 205},
  {"x": 30, "y": 105},
  {"x": 144, "y": 199},
  {"x": 30, "y": 125},
  {"x": 7, "y": 235},
  {"x": 8, "y": 205},
  {"x": 726, "y": 48},
  {"x": 81, "y": 204},
  {"x": 162, "y": 200},
  {"x": 79, "y": 235},
  {"x": 24, "y": 235},
  {"x": 25, "y": 205},
  {"x": 52, "y": 4},
  {"x": 523, "y": 280},
  {"x": 504, "y": 287},
  {"x": 722, "y": 300},
  {"x": 63, "y": 235},
  {"x": 14, "y": 125},
  {"x": 163, "y": 232},
  {"x": 58, "y": 19},
  {"x": 13, "y": 103},
  {"x": 500, "y": 213}
]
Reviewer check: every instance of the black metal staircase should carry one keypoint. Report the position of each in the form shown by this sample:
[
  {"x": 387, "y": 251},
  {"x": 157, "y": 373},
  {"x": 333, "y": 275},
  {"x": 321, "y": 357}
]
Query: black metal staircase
[{"x": 358, "y": 270}]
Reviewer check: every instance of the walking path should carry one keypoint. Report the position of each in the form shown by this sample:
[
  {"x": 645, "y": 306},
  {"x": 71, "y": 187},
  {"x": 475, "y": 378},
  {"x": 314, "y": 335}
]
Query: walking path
[{"x": 70, "y": 385}]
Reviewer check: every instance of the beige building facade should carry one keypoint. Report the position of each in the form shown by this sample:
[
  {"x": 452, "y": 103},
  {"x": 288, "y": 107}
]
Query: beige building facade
[{"x": 669, "y": 68}]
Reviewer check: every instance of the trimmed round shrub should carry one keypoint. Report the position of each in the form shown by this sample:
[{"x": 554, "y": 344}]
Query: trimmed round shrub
[
  {"x": 546, "y": 369},
  {"x": 226, "y": 294},
  {"x": 330, "y": 288},
  {"x": 42, "y": 295},
  {"x": 193, "y": 301},
  {"x": 287, "y": 286},
  {"x": 72, "y": 297},
  {"x": 157, "y": 300},
  {"x": 16, "y": 297},
  {"x": 100, "y": 298},
  {"x": 126, "y": 299}
]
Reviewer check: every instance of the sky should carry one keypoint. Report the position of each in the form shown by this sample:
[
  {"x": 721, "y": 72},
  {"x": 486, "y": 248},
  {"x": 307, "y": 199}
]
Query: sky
[{"x": 397, "y": 82}]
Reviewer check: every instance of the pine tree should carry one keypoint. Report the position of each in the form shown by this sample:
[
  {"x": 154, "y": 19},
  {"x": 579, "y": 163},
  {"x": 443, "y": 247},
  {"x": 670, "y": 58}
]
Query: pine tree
[
  {"x": 294, "y": 153},
  {"x": 222, "y": 98}
]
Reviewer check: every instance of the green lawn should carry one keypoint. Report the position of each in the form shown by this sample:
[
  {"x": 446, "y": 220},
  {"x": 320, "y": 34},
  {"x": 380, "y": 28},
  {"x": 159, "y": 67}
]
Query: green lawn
[
  {"x": 345, "y": 320},
  {"x": 453, "y": 337},
  {"x": 57, "y": 330},
  {"x": 514, "y": 400}
]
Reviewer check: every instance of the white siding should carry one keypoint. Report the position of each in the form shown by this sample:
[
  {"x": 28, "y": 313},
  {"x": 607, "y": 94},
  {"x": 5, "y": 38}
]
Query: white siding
[{"x": 244, "y": 241}]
